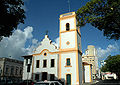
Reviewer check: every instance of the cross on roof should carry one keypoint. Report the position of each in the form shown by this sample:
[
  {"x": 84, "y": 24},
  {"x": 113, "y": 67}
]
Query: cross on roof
[{"x": 46, "y": 32}]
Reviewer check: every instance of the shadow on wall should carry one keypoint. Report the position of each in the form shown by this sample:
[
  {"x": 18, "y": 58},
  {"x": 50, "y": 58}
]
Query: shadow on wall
[{"x": 44, "y": 76}]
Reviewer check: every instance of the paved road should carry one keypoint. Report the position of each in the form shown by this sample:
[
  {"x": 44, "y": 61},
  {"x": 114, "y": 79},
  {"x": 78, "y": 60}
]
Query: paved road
[{"x": 107, "y": 82}]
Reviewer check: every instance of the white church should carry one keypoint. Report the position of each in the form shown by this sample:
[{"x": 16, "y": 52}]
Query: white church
[{"x": 65, "y": 63}]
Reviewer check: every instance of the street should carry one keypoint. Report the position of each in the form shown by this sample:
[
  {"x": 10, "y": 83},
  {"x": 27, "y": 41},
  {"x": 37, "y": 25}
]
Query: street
[{"x": 107, "y": 82}]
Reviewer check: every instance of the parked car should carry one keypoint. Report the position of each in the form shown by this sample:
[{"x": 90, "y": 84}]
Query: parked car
[
  {"x": 48, "y": 83},
  {"x": 108, "y": 75},
  {"x": 27, "y": 82}
]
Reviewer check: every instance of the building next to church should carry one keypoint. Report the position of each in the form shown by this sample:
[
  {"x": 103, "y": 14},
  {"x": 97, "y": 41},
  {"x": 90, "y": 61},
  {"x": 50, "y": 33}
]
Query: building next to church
[
  {"x": 91, "y": 57},
  {"x": 11, "y": 69},
  {"x": 87, "y": 72},
  {"x": 65, "y": 63}
]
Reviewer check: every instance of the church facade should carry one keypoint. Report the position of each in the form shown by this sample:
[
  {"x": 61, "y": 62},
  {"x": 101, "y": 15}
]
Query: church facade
[{"x": 65, "y": 63}]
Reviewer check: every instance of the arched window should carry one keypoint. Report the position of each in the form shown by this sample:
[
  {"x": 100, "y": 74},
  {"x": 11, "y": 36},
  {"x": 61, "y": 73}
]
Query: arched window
[{"x": 67, "y": 26}]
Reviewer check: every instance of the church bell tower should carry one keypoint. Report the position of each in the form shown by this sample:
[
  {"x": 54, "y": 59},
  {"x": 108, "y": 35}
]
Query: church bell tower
[{"x": 70, "y": 61}]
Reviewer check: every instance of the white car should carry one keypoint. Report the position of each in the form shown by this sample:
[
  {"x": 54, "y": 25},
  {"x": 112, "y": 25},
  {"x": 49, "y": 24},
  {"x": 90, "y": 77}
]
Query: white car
[
  {"x": 48, "y": 83},
  {"x": 110, "y": 76}
]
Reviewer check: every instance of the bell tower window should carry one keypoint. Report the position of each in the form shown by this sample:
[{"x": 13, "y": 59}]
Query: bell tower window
[
  {"x": 67, "y": 26},
  {"x": 68, "y": 62}
]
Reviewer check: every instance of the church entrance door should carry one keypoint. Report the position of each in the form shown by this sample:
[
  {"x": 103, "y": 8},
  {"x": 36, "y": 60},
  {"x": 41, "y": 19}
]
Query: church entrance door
[
  {"x": 44, "y": 76},
  {"x": 68, "y": 76}
]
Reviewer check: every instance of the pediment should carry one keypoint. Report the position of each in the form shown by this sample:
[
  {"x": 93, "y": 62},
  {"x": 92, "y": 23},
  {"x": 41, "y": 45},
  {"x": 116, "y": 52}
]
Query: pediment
[{"x": 46, "y": 45}]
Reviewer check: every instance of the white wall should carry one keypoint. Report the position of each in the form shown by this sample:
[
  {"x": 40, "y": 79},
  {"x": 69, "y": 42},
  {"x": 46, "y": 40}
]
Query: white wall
[
  {"x": 48, "y": 69},
  {"x": 72, "y": 69},
  {"x": 26, "y": 75},
  {"x": 87, "y": 73},
  {"x": 68, "y": 36},
  {"x": 80, "y": 68}
]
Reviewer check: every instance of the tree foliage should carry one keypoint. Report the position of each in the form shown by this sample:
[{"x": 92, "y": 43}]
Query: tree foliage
[
  {"x": 11, "y": 14},
  {"x": 112, "y": 64},
  {"x": 104, "y": 68},
  {"x": 102, "y": 14}
]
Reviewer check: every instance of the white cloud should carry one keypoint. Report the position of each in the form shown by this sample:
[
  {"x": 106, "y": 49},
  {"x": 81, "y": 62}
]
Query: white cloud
[
  {"x": 34, "y": 41},
  {"x": 102, "y": 53},
  {"x": 56, "y": 43},
  {"x": 14, "y": 46},
  {"x": 34, "y": 45}
]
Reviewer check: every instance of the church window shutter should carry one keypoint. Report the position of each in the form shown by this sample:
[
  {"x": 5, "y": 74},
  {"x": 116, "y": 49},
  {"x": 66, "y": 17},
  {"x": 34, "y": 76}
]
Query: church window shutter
[
  {"x": 68, "y": 62},
  {"x": 44, "y": 63},
  {"x": 52, "y": 63},
  {"x": 37, "y": 63}
]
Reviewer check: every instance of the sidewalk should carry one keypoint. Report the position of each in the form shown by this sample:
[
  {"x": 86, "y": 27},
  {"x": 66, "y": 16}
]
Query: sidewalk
[{"x": 90, "y": 83}]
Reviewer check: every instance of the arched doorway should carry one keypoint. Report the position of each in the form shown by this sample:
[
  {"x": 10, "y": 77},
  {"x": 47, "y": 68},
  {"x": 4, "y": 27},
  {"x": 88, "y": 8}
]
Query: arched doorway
[{"x": 68, "y": 79}]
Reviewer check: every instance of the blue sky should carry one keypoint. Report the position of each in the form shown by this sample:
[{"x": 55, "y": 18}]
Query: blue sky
[{"x": 42, "y": 15}]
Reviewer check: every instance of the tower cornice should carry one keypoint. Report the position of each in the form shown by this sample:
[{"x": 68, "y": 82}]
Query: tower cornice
[
  {"x": 67, "y": 15},
  {"x": 71, "y": 30}
]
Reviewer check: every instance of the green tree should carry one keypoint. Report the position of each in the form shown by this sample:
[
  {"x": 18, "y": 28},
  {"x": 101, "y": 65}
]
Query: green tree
[
  {"x": 102, "y": 14},
  {"x": 113, "y": 64},
  {"x": 11, "y": 14},
  {"x": 104, "y": 68}
]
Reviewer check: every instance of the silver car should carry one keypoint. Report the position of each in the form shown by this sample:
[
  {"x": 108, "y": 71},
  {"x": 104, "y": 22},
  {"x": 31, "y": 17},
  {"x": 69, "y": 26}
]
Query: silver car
[{"x": 48, "y": 83}]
